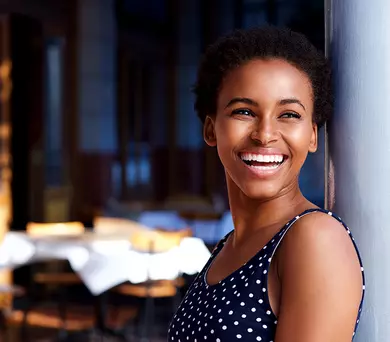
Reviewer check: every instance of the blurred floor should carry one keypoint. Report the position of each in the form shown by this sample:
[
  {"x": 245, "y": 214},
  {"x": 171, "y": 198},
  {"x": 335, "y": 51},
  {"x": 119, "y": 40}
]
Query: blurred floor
[
  {"x": 124, "y": 311},
  {"x": 39, "y": 334},
  {"x": 45, "y": 335}
]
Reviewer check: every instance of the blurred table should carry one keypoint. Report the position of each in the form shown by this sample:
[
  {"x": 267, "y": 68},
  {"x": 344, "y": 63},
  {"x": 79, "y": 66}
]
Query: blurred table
[{"x": 103, "y": 260}]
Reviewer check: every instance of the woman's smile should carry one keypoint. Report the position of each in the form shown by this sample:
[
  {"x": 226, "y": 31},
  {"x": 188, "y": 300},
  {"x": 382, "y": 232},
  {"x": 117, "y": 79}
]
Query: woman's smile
[{"x": 263, "y": 163}]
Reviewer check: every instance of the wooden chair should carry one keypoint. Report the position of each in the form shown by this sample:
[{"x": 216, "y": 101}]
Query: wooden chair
[
  {"x": 53, "y": 275},
  {"x": 116, "y": 225},
  {"x": 7, "y": 294},
  {"x": 158, "y": 240},
  {"x": 155, "y": 241},
  {"x": 8, "y": 291},
  {"x": 60, "y": 228}
]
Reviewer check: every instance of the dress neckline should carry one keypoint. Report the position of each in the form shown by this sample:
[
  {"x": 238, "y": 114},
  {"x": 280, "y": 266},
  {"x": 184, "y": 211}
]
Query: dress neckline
[{"x": 257, "y": 254}]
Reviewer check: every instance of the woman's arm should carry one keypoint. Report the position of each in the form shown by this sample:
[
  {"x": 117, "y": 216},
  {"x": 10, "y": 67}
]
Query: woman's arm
[{"x": 321, "y": 282}]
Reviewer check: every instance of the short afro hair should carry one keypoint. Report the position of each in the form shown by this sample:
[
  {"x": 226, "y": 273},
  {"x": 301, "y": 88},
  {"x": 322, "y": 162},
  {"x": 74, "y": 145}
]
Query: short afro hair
[{"x": 242, "y": 46}]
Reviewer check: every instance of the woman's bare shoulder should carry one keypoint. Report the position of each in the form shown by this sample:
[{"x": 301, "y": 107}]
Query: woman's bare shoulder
[{"x": 321, "y": 281}]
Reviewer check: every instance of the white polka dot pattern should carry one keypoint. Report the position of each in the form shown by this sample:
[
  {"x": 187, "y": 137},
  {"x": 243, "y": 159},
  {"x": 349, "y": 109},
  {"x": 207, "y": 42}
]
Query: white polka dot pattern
[{"x": 237, "y": 308}]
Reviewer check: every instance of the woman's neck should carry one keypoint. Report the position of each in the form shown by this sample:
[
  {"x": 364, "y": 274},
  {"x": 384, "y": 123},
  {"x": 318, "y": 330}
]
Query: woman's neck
[{"x": 253, "y": 215}]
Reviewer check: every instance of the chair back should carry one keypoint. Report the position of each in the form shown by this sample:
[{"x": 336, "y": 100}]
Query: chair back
[
  {"x": 116, "y": 225},
  {"x": 159, "y": 240},
  {"x": 61, "y": 228}
]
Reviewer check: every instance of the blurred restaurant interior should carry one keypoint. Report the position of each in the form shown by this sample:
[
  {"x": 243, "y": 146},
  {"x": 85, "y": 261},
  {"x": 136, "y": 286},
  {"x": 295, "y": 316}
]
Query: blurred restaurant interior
[{"x": 110, "y": 200}]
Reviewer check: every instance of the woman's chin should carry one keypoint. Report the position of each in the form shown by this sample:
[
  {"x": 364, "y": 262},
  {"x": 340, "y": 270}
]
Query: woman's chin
[{"x": 261, "y": 192}]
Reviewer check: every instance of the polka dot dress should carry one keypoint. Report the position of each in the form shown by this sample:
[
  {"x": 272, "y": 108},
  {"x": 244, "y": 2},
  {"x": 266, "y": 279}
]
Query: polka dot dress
[{"x": 237, "y": 308}]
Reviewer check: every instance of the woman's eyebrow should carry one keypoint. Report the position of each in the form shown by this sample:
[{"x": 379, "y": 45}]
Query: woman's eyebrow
[{"x": 242, "y": 100}]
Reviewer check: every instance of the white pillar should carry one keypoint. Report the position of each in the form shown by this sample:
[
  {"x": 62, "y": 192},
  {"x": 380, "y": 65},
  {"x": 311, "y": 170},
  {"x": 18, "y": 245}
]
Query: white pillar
[{"x": 360, "y": 146}]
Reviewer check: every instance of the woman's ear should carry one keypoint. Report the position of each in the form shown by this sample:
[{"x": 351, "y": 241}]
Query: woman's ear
[
  {"x": 314, "y": 139},
  {"x": 209, "y": 132}
]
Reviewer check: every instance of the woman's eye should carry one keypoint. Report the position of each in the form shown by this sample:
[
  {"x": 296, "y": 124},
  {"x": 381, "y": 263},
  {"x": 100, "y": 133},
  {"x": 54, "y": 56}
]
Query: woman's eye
[
  {"x": 290, "y": 115},
  {"x": 245, "y": 112}
]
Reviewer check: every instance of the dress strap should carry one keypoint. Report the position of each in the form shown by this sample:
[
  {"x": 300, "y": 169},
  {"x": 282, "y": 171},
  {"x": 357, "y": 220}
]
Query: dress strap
[{"x": 288, "y": 226}]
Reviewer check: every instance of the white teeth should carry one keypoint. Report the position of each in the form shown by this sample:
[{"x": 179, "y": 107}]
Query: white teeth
[
  {"x": 278, "y": 158},
  {"x": 268, "y": 167}
]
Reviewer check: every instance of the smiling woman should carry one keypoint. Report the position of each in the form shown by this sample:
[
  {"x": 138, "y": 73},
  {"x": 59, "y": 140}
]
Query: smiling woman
[
  {"x": 274, "y": 117},
  {"x": 290, "y": 271}
]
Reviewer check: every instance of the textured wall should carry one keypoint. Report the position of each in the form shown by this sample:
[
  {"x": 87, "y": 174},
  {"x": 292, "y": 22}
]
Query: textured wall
[{"x": 360, "y": 146}]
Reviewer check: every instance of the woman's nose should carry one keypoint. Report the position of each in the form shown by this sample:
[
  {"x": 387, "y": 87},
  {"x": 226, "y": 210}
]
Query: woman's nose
[{"x": 264, "y": 132}]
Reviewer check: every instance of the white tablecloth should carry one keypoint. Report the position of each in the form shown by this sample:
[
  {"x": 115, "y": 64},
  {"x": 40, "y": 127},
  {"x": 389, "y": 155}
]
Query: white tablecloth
[{"x": 104, "y": 261}]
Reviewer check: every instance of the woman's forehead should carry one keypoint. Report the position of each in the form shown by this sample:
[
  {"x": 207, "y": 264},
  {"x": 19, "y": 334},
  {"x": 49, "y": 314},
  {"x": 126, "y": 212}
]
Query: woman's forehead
[{"x": 267, "y": 81}]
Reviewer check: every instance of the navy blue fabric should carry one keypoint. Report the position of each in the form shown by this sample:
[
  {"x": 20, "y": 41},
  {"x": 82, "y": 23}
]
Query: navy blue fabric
[{"x": 237, "y": 308}]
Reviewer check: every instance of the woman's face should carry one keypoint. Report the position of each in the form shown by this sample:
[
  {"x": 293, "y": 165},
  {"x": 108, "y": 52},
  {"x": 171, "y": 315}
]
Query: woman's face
[{"x": 263, "y": 128}]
